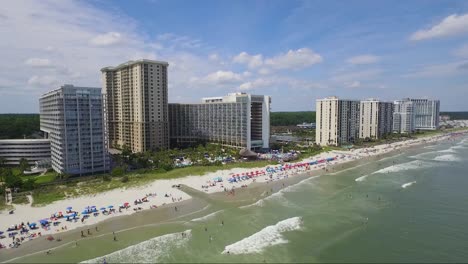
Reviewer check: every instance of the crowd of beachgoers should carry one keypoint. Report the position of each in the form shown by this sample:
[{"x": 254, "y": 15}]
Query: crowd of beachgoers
[{"x": 81, "y": 212}]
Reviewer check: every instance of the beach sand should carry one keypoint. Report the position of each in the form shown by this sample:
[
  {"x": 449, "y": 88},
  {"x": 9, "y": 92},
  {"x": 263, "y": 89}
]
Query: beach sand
[{"x": 24, "y": 213}]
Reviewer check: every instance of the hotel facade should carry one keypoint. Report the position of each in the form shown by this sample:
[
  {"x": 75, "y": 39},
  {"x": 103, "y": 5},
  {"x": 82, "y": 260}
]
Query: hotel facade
[
  {"x": 136, "y": 105},
  {"x": 238, "y": 120},
  {"x": 337, "y": 121},
  {"x": 403, "y": 116},
  {"x": 426, "y": 114},
  {"x": 72, "y": 119},
  {"x": 376, "y": 119}
]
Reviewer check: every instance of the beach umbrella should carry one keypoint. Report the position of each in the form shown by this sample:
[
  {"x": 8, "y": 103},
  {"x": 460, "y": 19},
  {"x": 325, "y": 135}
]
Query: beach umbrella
[
  {"x": 32, "y": 224},
  {"x": 110, "y": 206},
  {"x": 1, "y": 232},
  {"x": 69, "y": 208},
  {"x": 93, "y": 206},
  {"x": 102, "y": 208},
  {"x": 85, "y": 212},
  {"x": 126, "y": 204}
]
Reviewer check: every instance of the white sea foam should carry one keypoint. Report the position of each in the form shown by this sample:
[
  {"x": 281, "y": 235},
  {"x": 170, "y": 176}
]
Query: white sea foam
[
  {"x": 408, "y": 184},
  {"x": 258, "y": 203},
  {"x": 448, "y": 157},
  {"x": 362, "y": 178},
  {"x": 279, "y": 195},
  {"x": 148, "y": 251},
  {"x": 206, "y": 217},
  {"x": 415, "y": 164},
  {"x": 268, "y": 236},
  {"x": 450, "y": 150}
]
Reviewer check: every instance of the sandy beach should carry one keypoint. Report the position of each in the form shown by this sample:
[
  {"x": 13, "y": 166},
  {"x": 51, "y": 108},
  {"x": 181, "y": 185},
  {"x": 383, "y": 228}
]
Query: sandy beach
[{"x": 161, "y": 193}]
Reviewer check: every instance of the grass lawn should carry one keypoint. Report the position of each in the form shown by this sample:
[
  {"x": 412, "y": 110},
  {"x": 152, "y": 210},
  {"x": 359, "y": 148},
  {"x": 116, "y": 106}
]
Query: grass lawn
[{"x": 20, "y": 199}]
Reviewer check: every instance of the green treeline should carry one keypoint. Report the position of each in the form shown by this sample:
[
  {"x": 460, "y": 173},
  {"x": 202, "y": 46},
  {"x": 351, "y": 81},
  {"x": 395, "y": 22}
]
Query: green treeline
[
  {"x": 19, "y": 125},
  {"x": 291, "y": 118},
  {"x": 16, "y": 126}
]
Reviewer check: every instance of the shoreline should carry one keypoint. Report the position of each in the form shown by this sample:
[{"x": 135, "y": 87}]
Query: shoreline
[{"x": 195, "y": 182}]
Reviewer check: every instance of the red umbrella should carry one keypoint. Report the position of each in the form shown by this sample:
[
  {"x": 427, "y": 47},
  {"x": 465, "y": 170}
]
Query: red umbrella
[{"x": 126, "y": 204}]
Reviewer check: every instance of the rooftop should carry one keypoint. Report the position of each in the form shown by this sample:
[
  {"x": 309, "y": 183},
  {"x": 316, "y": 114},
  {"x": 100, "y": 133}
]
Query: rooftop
[{"x": 131, "y": 62}]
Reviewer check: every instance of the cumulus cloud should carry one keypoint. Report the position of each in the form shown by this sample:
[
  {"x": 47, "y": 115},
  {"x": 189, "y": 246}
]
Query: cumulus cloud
[
  {"x": 355, "y": 84},
  {"x": 363, "y": 59},
  {"x": 220, "y": 78},
  {"x": 462, "y": 51},
  {"x": 38, "y": 62},
  {"x": 449, "y": 26},
  {"x": 107, "y": 39},
  {"x": 294, "y": 59},
  {"x": 48, "y": 81},
  {"x": 252, "y": 61},
  {"x": 255, "y": 84}
]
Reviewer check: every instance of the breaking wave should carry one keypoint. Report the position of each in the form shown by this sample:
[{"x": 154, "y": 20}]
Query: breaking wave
[
  {"x": 415, "y": 164},
  {"x": 206, "y": 217},
  {"x": 362, "y": 178},
  {"x": 408, "y": 184},
  {"x": 148, "y": 251},
  {"x": 268, "y": 236},
  {"x": 448, "y": 157}
]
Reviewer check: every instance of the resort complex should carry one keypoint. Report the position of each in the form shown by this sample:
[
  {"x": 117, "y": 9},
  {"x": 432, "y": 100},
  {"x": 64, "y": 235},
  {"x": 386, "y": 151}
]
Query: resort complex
[
  {"x": 342, "y": 122},
  {"x": 135, "y": 105},
  {"x": 72, "y": 119},
  {"x": 238, "y": 120}
]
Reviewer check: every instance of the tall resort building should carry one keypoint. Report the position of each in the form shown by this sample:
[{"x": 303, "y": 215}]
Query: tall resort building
[
  {"x": 72, "y": 119},
  {"x": 376, "y": 119},
  {"x": 239, "y": 120},
  {"x": 403, "y": 116},
  {"x": 337, "y": 121},
  {"x": 426, "y": 114},
  {"x": 136, "y": 106}
]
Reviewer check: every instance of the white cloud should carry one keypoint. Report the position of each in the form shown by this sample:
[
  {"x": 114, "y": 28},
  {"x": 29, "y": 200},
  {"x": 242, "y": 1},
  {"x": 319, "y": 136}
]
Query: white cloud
[
  {"x": 438, "y": 70},
  {"x": 106, "y": 39},
  {"x": 294, "y": 59},
  {"x": 219, "y": 78},
  {"x": 449, "y": 26},
  {"x": 264, "y": 71},
  {"x": 48, "y": 81},
  {"x": 38, "y": 62},
  {"x": 462, "y": 51},
  {"x": 252, "y": 61},
  {"x": 213, "y": 57},
  {"x": 363, "y": 59},
  {"x": 355, "y": 84},
  {"x": 351, "y": 77},
  {"x": 255, "y": 84}
]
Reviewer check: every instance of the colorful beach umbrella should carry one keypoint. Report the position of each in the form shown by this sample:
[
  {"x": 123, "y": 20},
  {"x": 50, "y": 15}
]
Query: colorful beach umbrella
[
  {"x": 69, "y": 208},
  {"x": 110, "y": 206}
]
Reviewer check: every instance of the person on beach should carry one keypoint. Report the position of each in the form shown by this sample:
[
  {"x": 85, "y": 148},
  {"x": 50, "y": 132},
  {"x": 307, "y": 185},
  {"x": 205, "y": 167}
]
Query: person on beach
[
  {"x": 222, "y": 222},
  {"x": 96, "y": 229},
  {"x": 115, "y": 237},
  {"x": 206, "y": 229},
  {"x": 89, "y": 233},
  {"x": 82, "y": 234},
  {"x": 48, "y": 252}
]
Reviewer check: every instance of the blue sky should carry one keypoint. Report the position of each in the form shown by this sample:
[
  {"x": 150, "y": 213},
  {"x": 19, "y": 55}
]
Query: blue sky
[{"x": 295, "y": 51}]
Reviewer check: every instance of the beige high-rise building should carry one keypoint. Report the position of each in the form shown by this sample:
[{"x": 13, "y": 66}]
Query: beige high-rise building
[
  {"x": 376, "y": 119},
  {"x": 337, "y": 121},
  {"x": 136, "y": 105}
]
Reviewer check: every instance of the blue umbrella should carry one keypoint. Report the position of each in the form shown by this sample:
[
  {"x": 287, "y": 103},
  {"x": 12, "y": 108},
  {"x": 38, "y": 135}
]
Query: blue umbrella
[
  {"x": 93, "y": 206},
  {"x": 85, "y": 212},
  {"x": 1, "y": 232},
  {"x": 110, "y": 206},
  {"x": 32, "y": 224},
  {"x": 102, "y": 208},
  {"x": 69, "y": 208}
]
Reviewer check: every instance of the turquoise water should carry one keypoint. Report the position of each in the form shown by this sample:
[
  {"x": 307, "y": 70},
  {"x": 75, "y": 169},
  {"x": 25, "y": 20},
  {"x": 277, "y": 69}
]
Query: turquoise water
[{"x": 408, "y": 207}]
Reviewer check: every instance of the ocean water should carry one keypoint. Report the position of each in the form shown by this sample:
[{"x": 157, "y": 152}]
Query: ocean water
[{"x": 409, "y": 207}]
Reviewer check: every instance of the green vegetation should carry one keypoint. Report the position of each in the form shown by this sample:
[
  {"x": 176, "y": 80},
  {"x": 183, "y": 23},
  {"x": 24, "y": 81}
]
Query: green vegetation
[
  {"x": 456, "y": 115},
  {"x": 291, "y": 118},
  {"x": 18, "y": 125}
]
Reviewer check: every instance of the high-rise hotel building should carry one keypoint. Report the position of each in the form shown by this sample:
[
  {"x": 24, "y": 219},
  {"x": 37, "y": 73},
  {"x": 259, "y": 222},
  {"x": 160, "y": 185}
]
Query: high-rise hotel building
[
  {"x": 426, "y": 114},
  {"x": 136, "y": 105},
  {"x": 239, "y": 120},
  {"x": 376, "y": 119},
  {"x": 403, "y": 116},
  {"x": 72, "y": 119},
  {"x": 337, "y": 121}
]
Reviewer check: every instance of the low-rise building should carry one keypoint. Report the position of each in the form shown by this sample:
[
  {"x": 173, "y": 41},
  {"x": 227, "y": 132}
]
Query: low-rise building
[{"x": 33, "y": 150}]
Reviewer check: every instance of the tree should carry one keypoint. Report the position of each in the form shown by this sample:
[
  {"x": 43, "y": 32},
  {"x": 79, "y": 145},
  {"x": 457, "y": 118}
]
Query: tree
[
  {"x": 23, "y": 164},
  {"x": 13, "y": 181},
  {"x": 2, "y": 162}
]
